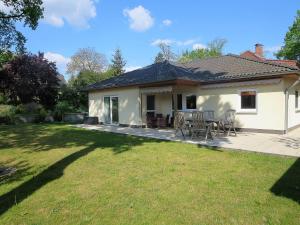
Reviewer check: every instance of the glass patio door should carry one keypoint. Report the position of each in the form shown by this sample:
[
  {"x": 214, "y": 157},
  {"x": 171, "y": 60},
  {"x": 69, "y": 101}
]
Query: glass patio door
[
  {"x": 111, "y": 110},
  {"x": 114, "y": 110}
]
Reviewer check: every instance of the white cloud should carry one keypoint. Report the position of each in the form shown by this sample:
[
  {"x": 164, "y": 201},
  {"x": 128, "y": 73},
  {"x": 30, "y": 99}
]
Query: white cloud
[
  {"x": 60, "y": 60},
  {"x": 162, "y": 41},
  {"x": 175, "y": 42},
  {"x": 186, "y": 42},
  {"x": 272, "y": 49},
  {"x": 76, "y": 13},
  {"x": 140, "y": 19},
  {"x": 131, "y": 68},
  {"x": 198, "y": 46},
  {"x": 167, "y": 22}
]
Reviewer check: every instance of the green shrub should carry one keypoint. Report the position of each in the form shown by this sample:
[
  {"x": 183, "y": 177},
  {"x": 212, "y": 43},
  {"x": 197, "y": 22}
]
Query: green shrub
[
  {"x": 60, "y": 109},
  {"x": 42, "y": 115},
  {"x": 7, "y": 114}
]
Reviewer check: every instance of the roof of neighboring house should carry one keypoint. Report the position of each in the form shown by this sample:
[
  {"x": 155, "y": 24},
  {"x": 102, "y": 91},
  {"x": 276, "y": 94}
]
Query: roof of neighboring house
[
  {"x": 292, "y": 63},
  {"x": 251, "y": 55},
  {"x": 218, "y": 69}
]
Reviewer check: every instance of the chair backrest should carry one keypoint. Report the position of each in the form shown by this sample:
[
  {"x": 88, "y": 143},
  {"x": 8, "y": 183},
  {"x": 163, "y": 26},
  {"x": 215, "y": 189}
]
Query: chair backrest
[
  {"x": 179, "y": 121},
  {"x": 159, "y": 115},
  {"x": 198, "y": 121},
  {"x": 209, "y": 114},
  {"x": 150, "y": 115},
  {"x": 230, "y": 115}
]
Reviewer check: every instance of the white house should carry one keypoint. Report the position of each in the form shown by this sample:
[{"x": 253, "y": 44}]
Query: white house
[{"x": 265, "y": 95}]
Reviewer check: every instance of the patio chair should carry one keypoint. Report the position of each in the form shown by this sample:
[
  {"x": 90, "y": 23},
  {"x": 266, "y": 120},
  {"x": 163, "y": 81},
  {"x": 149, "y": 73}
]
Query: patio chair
[
  {"x": 209, "y": 114},
  {"x": 199, "y": 126},
  {"x": 151, "y": 120},
  {"x": 161, "y": 121},
  {"x": 229, "y": 122},
  {"x": 179, "y": 123}
]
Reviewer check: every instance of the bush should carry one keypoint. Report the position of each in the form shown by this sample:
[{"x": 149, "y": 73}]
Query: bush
[
  {"x": 60, "y": 109},
  {"x": 7, "y": 114},
  {"x": 29, "y": 111}
]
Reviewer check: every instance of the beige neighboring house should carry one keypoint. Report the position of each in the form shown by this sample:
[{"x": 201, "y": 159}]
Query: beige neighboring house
[{"x": 264, "y": 94}]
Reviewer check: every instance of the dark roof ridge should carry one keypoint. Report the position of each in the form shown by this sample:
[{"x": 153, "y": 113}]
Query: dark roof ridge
[{"x": 264, "y": 62}]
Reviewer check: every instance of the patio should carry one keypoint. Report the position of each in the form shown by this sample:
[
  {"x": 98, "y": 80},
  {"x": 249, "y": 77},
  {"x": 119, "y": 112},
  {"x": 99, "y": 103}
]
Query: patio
[{"x": 287, "y": 145}]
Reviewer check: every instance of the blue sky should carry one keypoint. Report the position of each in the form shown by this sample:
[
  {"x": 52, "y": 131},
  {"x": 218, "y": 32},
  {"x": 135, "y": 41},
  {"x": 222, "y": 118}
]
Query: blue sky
[{"x": 137, "y": 26}]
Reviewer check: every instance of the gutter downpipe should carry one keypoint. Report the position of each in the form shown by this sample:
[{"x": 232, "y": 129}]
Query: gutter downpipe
[{"x": 286, "y": 92}]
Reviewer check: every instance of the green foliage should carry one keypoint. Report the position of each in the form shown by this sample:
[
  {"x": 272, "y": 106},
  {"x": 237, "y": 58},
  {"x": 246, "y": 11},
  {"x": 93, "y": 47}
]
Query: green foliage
[
  {"x": 24, "y": 11},
  {"x": 7, "y": 114},
  {"x": 60, "y": 109},
  {"x": 291, "y": 48},
  {"x": 118, "y": 63},
  {"x": 5, "y": 57},
  {"x": 214, "y": 49}
]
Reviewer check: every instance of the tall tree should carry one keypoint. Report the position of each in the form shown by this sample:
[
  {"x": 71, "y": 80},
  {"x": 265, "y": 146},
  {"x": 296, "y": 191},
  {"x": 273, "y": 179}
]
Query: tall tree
[
  {"x": 24, "y": 11},
  {"x": 73, "y": 93},
  {"x": 118, "y": 63},
  {"x": 159, "y": 58},
  {"x": 214, "y": 49},
  {"x": 165, "y": 53},
  {"x": 87, "y": 59},
  {"x": 291, "y": 48},
  {"x": 30, "y": 78}
]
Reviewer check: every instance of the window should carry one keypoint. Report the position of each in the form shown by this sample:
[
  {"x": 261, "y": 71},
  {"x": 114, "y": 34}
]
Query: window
[
  {"x": 179, "y": 101},
  {"x": 296, "y": 99},
  {"x": 150, "y": 102},
  {"x": 191, "y": 102},
  {"x": 248, "y": 101}
]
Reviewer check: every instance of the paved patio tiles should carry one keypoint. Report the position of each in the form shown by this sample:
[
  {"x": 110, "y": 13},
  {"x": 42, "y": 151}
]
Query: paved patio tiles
[{"x": 288, "y": 145}]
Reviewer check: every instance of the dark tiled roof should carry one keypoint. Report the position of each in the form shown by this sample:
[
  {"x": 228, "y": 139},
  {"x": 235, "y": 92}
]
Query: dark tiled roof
[{"x": 217, "y": 69}]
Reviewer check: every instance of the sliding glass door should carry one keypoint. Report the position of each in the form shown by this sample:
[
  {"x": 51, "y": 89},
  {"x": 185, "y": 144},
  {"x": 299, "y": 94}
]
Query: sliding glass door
[
  {"x": 111, "y": 110},
  {"x": 114, "y": 110}
]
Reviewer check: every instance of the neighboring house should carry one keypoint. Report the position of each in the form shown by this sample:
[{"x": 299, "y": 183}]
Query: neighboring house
[
  {"x": 258, "y": 55},
  {"x": 264, "y": 94}
]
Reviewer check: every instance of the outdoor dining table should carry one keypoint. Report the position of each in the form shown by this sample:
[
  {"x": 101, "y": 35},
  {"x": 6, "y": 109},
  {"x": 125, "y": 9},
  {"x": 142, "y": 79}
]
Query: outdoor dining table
[{"x": 209, "y": 122}]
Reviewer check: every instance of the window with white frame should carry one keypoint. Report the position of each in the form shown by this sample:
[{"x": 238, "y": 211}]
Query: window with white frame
[
  {"x": 150, "y": 105},
  {"x": 191, "y": 102},
  {"x": 248, "y": 101},
  {"x": 297, "y": 99}
]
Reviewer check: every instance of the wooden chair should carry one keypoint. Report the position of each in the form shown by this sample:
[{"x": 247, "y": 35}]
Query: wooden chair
[
  {"x": 209, "y": 115},
  {"x": 199, "y": 125},
  {"x": 151, "y": 120},
  {"x": 229, "y": 121},
  {"x": 179, "y": 123},
  {"x": 161, "y": 121}
]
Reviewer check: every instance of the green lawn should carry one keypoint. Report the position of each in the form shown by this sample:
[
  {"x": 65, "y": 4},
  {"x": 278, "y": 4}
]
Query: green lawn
[{"x": 68, "y": 175}]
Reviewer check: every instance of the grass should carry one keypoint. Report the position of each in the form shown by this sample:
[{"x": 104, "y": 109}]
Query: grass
[{"x": 68, "y": 175}]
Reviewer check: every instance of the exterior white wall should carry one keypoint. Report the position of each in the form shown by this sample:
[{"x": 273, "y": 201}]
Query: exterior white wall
[
  {"x": 270, "y": 104},
  {"x": 163, "y": 104},
  {"x": 129, "y": 104},
  {"x": 270, "y": 113},
  {"x": 294, "y": 114}
]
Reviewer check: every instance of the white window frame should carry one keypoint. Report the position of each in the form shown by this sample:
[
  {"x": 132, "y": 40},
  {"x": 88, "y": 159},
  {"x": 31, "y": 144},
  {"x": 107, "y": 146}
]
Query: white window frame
[
  {"x": 110, "y": 105},
  {"x": 185, "y": 108},
  {"x": 239, "y": 102},
  {"x": 151, "y": 110}
]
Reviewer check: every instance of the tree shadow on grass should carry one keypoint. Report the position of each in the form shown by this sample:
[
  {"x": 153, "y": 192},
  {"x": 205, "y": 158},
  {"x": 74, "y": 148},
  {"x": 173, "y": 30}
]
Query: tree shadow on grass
[
  {"x": 33, "y": 138},
  {"x": 46, "y": 138},
  {"x": 289, "y": 184}
]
